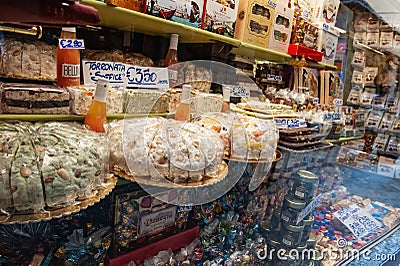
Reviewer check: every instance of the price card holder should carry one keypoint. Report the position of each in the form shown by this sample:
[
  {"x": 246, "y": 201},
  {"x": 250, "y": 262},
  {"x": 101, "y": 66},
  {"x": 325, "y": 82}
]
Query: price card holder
[
  {"x": 71, "y": 44},
  {"x": 125, "y": 75},
  {"x": 240, "y": 91}
]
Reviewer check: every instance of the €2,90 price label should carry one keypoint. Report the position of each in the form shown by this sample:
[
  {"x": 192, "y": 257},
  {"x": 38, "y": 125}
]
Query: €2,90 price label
[
  {"x": 71, "y": 44},
  {"x": 338, "y": 102}
]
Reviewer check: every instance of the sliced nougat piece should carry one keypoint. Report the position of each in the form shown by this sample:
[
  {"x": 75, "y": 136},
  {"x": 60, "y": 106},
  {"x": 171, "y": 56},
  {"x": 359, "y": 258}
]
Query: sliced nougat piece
[
  {"x": 26, "y": 183},
  {"x": 48, "y": 61},
  {"x": 12, "y": 60},
  {"x": 159, "y": 156},
  {"x": 31, "y": 54}
]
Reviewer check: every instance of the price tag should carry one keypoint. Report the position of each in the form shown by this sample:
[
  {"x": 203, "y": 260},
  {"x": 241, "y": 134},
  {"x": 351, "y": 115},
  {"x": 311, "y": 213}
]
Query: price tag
[
  {"x": 239, "y": 91},
  {"x": 306, "y": 15},
  {"x": 325, "y": 27},
  {"x": 359, "y": 221},
  {"x": 293, "y": 123},
  {"x": 336, "y": 116},
  {"x": 125, "y": 74},
  {"x": 338, "y": 102},
  {"x": 308, "y": 209},
  {"x": 316, "y": 101},
  {"x": 303, "y": 123},
  {"x": 328, "y": 117},
  {"x": 71, "y": 44},
  {"x": 274, "y": 78},
  {"x": 184, "y": 208},
  {"x": 281, "y": 123}
]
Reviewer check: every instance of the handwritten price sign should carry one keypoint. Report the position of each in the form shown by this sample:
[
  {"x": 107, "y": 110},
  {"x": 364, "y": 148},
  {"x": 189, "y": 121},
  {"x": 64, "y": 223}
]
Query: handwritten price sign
[
  {"x": 125, "y": 74},
  {"x": 71, "y": 44}
]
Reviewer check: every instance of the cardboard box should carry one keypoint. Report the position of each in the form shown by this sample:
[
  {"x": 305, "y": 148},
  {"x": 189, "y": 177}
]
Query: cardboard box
[
  {"x": 304, "y": 33},
  {"x": 220, "y": 16},
  {"x": 306, "y": 79},
  {"x": 254, "y": 21},
  {"x": 327, "y": 43},
  {"x": 135, "y": 5},
  {"x": 325, "y": 11},
  {"x": 331, "y": 88},
  {"x": 188, "y": 12},
  {"x": 281, "y": 28}
]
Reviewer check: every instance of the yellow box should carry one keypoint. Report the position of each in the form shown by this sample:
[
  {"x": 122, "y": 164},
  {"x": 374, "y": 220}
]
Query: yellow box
[{"x": 254, "y": 21}]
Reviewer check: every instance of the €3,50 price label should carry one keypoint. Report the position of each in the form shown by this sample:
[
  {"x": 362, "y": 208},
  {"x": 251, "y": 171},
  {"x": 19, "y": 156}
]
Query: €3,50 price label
[{"x": 71, "y": 44}]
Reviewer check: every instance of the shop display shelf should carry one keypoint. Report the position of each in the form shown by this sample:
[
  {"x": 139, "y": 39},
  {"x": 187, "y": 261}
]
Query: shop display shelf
[
  {"x": 344, "y": 139},
  {"x": 173, "y": 242},
  {"x": 50, "y": 117},
  {"x": 128, "y": 20}
]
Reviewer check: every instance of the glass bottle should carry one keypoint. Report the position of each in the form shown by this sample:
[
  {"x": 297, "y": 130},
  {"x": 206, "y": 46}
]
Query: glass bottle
[
  {"x": 68, "y": 61},
  {"x": 96, "y": 116},
  {"x": 172, "y": 59},
  {"x": 183, "y": 110}
]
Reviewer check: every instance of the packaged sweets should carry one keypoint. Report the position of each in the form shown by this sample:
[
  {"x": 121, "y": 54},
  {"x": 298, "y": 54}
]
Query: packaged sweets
[
  {"x": 387, "y": 121},
  {"x": 378, "y": 102},
  {"x": 373, "y": 120},
  {"x": 360, "y": 38},
  {"x": 357, "y": 77},
  {"x": 393, "y": 147},
  {"x": 354, "y": 97},
  {"x": 369, "y": 74},
  {"x": 380, "y": 143},
  {"x": 358, "y": 59},
  {"x": 373, "y": 39}
]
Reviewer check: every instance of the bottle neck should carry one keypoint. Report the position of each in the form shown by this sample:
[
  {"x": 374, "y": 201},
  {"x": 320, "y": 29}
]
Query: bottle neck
[
  {"x": 185, "y": 98},
  {"x": 67, "y": 35},
  {"x": 173, "y": 43},
  {"x": 101, "y": 91}
]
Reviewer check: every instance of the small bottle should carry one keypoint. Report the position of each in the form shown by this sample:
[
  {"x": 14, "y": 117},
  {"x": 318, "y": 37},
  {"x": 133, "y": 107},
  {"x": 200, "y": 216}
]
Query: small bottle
[
  {"x": 183, "y": 110},
  {"x": 226, "y": 94},
  {"x": 172, "y": 59},
  {"x": 96, "y": 116},
  {"x": 68, "y": 61}
]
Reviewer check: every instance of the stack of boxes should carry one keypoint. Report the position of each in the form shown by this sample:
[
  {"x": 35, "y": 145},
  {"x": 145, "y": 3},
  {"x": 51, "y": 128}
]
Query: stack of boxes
[{"x": 283, "y": 231}]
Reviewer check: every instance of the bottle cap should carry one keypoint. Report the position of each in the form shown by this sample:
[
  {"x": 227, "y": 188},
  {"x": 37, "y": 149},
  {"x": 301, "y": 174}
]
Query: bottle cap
[
  {"x": 186, "y": 93},
  {"x": 226, "y": 93},
  {"x": 173, "y": 43},
  {"x": 101, "y": 90},
  {"x": 69, "y": 29}
]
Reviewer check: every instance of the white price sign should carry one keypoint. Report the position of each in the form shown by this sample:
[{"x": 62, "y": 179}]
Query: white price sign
[
  {"x": 338, "y": 102},
  {"x": 359, "y": 221},
  {"x": 239, "y": 91},
  {"x": 309, "y": 208},
  {"x": 71, "y": 44},
  {"x": 125, "y": 74}
]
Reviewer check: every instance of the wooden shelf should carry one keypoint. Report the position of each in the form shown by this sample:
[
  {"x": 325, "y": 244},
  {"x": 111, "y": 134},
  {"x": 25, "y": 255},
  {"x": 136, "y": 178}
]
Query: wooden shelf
[{"x": 128, "y": 20}]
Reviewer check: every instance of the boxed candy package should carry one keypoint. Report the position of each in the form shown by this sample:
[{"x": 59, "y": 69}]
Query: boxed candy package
[
  {"x": 281, "y": 28},
  {"x": 386, "y": 40},
  {"x": 358, "y": 60},
  {"x": 254, "y": 21},
  {"x": 369, "y": 74},
  {"x": 360, "y": 38},
  {"x": 304, "y": 33},
  {"x": 18, "y": 98},
  {"x": 327, "y": 42},
  {"x": 325, "y": 11},
  {"x": 181, "y": 11},
  {"x": 220, "y": 16},
  {"x": 373, "y": 39}
]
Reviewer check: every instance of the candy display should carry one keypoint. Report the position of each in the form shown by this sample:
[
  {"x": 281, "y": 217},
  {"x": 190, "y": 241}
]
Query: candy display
[
  {"x": 304, "y": 33},
  {"x": 81, "y": 100},
  {"x": 139, "y": 101},
  {"x": 327, "y": 42},
  {"x": 196, "y": 76},
  {"x": 29, "y": 59},
  {"x": 51, "y": 165},
  {"x": 33, "y": 99},
  {"x": 249, "y": 138},
  {"x": 169, "y": 149}
]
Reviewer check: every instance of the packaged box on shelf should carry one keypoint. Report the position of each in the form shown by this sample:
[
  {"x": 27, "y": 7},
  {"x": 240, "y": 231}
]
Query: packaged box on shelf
[
  {"x": 331, "y": 88},
  {"x": 304, "y": 33},
  {"x": 220, "y": 16},
  {"x": 306, "y": 79},
  {"x": 302, "y": 8},
  {"x": 254, "y": 21},
  {"x": 135, "y": 5},
  {"x": 308, "y": 53},
  {"x": 386, "y": 166},
  {"x": 181, "y": 11},
  {"x": 327, "y": 43},
  {"x": 325, "y": 11},
  {"x": 281, "y": 28},
  {"x": 386, "y": 40}
]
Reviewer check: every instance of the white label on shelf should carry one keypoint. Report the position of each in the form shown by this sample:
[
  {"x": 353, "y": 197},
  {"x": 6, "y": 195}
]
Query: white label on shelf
[
  {"x": 240, "y": 91},
  {"x": 71, "y": 44},
  {"x": 359, "y": 221},
  {"x": 325, "y": 26},
  {"x": 286, "y": 242},
  {"x": 316, "y": 100},
  {"x": 125, "y": 74},
  {"x": 184, "y": 208},
  {"x": 299, "y": 194},
  {"x": 338, "y": 102},
  {"x": 271, "y": 77},
  {"x": 308, "y": 209},
  {"x": 283, "y": 123},
  {"x": 157, "y": 220}
]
